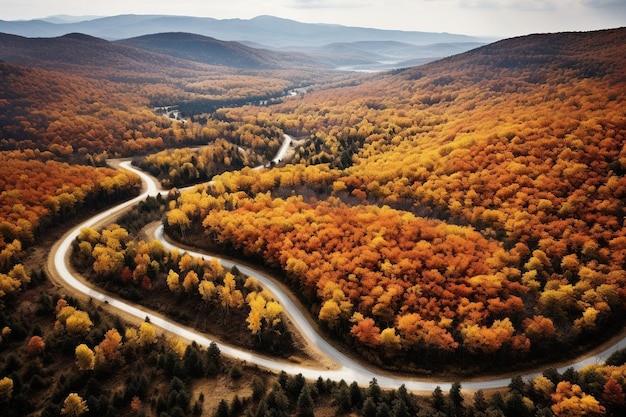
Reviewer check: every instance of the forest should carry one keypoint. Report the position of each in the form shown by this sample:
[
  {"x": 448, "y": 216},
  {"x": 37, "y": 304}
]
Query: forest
[
  {"x": 475, "y": 221},
  {"x": 450, "y": 220}
]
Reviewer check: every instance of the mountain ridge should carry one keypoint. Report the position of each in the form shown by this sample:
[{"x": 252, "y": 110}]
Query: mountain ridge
[
  {"x": 77, "y": 49},
  {"x": 208, "y": 50},
  {"x": 265, "y": 29},
  {"x": 263, "y": 32}
]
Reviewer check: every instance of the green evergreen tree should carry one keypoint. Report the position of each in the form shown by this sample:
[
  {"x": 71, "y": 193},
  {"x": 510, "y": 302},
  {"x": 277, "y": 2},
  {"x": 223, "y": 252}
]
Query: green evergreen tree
[
  {"x": 277, "y": 401},
  {"x": 305, "y": 405},
  {"x": 258, "y": 388},
  {"x": 213, "y": 360},
  {"x": 383, "y": 410},
  {"x": 262, "y": 410},
  {"x": 571, "y": 375},
  {"x": 222, "y": 409},
  {"x": 356, "y": 395},
  {"x": 553, "y": 375},
  {"x": 515, "y": 406},
  {"x": 294, "y": 386},
  {"x": 236, "y": 406},
  {"x": 400, "y": 408},
  {"x": 496, "y": 402},
  {"x": 438, "y": 399},
  {"x": 320, "y": 384},
  {"x": 403, "y": 394},
  {"x": 341, "y": 397},
  {"x": 369, "y": 407},
  {"x": 282, "y": 379},
  {"x": 456, "y": 399},
  {"x": 480, "y": 403},
  {"x": 374, "y": 391},
  {"x": 517, "y": 384},
  {"x": 194, "y": 366}
]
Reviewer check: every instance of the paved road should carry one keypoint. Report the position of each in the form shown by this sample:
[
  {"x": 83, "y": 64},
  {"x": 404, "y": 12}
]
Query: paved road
[{"x": 346, "y": 368}]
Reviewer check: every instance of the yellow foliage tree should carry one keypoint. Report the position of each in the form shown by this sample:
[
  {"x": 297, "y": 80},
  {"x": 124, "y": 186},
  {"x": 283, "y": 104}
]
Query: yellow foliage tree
[
  {"x": 178, "y": 217},
  {"x": 173, "y": 280},
  {"x": 544, "y": 386},
  {"x": 74, "y": 406},
  {"x": 85, "y": 358},
  {"x": 147, "y": 334},
  {"x": 256, "y": 302},
  {"x": 273, "y": 311},
  {"x": 8, "y": 284},
  {"x": 18, "y": 272},
  {"x": 389, "y": 339},
  {"x": 330, "y": 312},
  {"x": 79, "y": 322},
  {"x": 131, "y": 336},
  {"x": 206, "y": 289},
  {"x": 177, "y": 346},
  {"x": 191, "y": 281},
  {"x": 6, "y": 389}
]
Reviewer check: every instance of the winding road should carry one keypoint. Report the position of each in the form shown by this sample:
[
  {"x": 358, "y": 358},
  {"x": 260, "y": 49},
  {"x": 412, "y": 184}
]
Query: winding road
[{"x": 345, "y": 367}]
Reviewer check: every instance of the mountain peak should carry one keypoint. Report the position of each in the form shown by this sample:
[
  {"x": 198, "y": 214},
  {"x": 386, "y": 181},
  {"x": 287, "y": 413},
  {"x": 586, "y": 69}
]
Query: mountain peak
[{"x": 80, "y": 37}]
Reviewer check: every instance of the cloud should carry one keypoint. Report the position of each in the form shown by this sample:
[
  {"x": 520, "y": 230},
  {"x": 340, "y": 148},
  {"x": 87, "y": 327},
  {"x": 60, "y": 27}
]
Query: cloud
[
  {"x": 327, "y": 4},
  {"x": 605, "y": 4},
  {"x": 512, "y": 5},
  {"x": 309, "y": 4}
]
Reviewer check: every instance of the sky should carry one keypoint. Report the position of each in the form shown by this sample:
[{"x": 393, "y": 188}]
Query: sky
[{"x": 501, "y": 18}]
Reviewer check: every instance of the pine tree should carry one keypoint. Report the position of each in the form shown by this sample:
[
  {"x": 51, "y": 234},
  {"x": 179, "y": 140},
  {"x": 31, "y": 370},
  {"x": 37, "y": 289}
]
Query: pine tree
[
  {"x": 222, "y": 409},
  {"x": 356, "y": 395},
  {"x": 341, "y": 397},
  {"x": 383, "y": 410},
  {"x": 305, "y": 403},
  {"x": 369, "y": 407},
  {"x": 456, "y": 396},
  {"x": 374, "y": 391},
  {"x": 438, "y": 399}
]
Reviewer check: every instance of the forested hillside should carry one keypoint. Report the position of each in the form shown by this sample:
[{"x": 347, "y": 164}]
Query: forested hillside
[
  {"x": 476, "y": 208},
  {"x": 79, "y": 95},
  {"x": 133, "y": 77}
]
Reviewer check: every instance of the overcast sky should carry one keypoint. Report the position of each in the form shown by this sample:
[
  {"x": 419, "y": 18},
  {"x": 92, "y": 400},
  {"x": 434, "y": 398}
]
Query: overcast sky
[{"x": 501, "y": 18}]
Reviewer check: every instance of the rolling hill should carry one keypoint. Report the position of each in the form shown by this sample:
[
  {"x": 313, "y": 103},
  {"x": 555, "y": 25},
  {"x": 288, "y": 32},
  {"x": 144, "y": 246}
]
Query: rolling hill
[
  {"x": 197, "y": 48},
  {"x": 76, "y": 50}
]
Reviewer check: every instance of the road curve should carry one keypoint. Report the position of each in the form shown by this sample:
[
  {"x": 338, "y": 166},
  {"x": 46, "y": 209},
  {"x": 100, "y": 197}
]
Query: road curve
[
  {"x": 346, "y": 369},
  {"x": 280, "y": 155}
]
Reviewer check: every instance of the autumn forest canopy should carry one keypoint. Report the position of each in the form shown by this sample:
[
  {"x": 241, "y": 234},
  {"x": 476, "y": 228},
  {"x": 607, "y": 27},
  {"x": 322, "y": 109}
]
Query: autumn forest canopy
[
  {"x": 472, "y": 205},
  {"x": 464, "y": 214}
]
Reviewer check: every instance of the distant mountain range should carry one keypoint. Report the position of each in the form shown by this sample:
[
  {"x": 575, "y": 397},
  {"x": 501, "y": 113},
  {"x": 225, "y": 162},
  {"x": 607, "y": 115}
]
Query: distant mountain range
[
  {"x": 344, "y": 47},
  {"x": 149, "y": 54}
]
